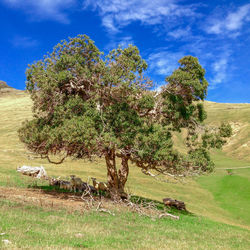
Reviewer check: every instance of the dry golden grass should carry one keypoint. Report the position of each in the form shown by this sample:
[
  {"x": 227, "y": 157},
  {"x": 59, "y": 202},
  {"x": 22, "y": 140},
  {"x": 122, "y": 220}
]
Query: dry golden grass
[
  {"x": 15, "y": 107},
  {"x": 238, "y": 115}
]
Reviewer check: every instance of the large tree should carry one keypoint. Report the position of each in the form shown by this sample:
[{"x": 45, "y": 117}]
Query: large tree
[{"x": 86, "y": 105}]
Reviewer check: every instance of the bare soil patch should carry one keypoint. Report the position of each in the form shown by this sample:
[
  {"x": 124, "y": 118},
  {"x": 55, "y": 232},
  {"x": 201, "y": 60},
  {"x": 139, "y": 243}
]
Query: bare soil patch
[
  {"x": 49, "y": 199},
  {"x": 75, "y": 202}
]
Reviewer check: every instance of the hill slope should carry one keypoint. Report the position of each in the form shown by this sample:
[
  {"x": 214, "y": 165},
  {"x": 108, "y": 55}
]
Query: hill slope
[
  {"x": 217, "y": 197},
  {"x": 238, "y": 115},
  {"x": 6, "y": 89}
]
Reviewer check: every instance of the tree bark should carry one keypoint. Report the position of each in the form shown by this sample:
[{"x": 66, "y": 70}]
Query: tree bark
[
  {"x": 123, "y": 173},
  {"x": 116, "y": 179}
]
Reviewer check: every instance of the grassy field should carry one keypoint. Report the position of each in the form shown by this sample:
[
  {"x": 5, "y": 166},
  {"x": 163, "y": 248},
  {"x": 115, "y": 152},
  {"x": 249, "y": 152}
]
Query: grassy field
[
  {"x": 219, "y": 203},
  {"x": 238, "y": 115},
  {"x": 39, "y": 228}
]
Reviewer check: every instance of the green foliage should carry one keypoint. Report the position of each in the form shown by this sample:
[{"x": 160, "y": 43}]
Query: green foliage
[
  {"x": 186, "y": 86},
  {"x": 200, "y": 157},
  {"x": 88, "y": 106},
  {"x": 188, "y": 81},
  {"x": 225, "y": 130}
]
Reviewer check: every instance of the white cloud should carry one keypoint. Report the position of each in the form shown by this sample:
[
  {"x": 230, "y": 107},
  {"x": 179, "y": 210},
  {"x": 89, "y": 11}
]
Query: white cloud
[
  {"x": 161, "y": 64},
  {"x": 219, "y": 70},
  {"x": 24, "y": 42},
  {"x": 230, "y": 25},
  {"x": 217, "y": 64},
  {"x": 116, "y": 14},
  {"x": 159, "y": 86},
  {"x": 43, "y": 9},
  {"x": 164, "y": 62},
  {"x": 215, "y": 58},
  {"x": 119, "y": 41},
  {"x": 181, "y": 33},
  {"x": 108, "y": 22}
]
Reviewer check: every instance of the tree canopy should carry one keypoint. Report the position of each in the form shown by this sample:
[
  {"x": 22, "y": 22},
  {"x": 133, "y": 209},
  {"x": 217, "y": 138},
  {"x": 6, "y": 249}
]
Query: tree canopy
[{"x": 88, "y": 105}]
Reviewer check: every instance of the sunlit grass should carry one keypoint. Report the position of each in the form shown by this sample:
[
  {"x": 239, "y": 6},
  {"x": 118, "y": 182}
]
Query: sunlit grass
[
  {"x": 209, "y": 196},
  {"x": 232, "y": 193},
  {"x": 33, "y": 227}
]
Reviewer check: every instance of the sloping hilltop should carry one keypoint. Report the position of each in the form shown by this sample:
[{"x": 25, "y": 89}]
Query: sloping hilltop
[
  {"x": 33, "y": 217},
  {"x": 3, "y": 85},
  {"x": 5, "y": 88},
  {"x": 238, "y": 116}
]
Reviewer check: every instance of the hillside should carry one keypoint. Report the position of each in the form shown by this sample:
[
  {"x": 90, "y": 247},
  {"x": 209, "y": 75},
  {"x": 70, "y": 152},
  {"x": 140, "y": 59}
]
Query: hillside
[
  {"x": 238, "y": 115},
  {"x": 217, "y": 200},
  {"x": 6, "y": 89},
  {"x": 3, "y": 85}
]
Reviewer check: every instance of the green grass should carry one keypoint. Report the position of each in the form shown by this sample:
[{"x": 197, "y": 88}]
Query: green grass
[
  {"x": 224, "y": 161},
  {"x": 232, "y": 193},
  {"x": 217, "y": 200},
  {"x": 33, "y": 227}
]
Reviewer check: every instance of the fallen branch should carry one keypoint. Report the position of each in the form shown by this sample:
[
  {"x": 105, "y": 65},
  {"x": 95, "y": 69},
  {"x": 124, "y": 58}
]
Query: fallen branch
[
  {"x": 169, "y": 215},
  {"x": 105, "y": 211},
  {"x": 37, "y": 172}
]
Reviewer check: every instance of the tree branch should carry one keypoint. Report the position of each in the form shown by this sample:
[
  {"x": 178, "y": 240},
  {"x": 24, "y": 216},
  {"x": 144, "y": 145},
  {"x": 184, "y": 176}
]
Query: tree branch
[{"x": 55, "y": 162}]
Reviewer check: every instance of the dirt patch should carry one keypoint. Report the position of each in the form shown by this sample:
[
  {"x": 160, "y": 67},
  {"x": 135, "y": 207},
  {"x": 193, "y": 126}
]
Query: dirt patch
[
  {"x": 236, "y": 127},
  {"x": 62, "y": 201},
  {"x": 49, "y": 199},
  {"x": 74, "y": 202}
]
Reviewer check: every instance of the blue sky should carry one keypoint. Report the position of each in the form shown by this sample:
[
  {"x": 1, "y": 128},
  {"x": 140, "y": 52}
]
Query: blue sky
[{"x": 215, "y": 31}]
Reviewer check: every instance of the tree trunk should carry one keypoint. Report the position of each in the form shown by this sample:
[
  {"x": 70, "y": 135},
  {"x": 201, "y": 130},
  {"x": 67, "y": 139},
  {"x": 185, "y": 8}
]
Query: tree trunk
[
  {"x": 123, "y": 174},
  {"x": 116, "y": 179}
]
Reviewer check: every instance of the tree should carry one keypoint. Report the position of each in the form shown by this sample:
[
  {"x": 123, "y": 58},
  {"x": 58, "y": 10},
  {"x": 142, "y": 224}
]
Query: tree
[{"x": 85, "y": 105}]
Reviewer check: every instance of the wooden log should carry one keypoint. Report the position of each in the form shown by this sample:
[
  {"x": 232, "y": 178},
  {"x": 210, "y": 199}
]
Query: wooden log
[
  {"x": 180, "y": 205},
  {"x": 37, "y": 172}
]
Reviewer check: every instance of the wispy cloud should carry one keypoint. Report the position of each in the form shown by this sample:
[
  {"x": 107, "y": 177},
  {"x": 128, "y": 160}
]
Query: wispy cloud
[
  {"x": 180, "y": 33},
  {"x": 116, "y": 14},
  {"x": 215, "y": 58},
  {"x": 161, "y": 64},
  {"x": 24, "y": 42},
  {"x": 164, "y": 62},
  {"x": 216, "y": 62},
  {"x": 231, "y": 24},
  {"x": 43, "y": 9},
  {"x": 219, "y": 70},
  {"x": 119, "y": 41}
]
